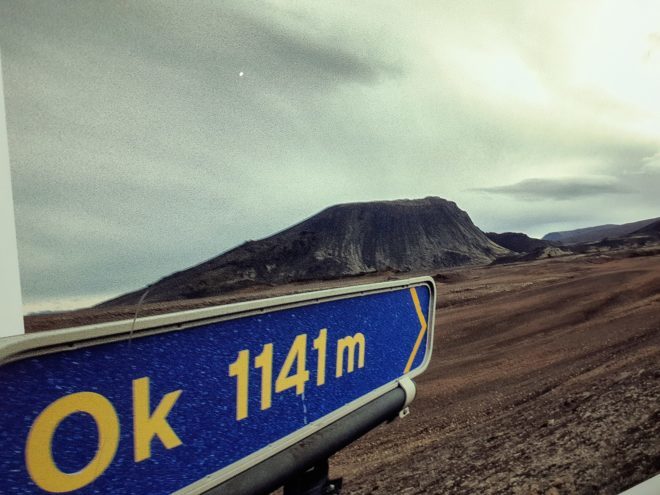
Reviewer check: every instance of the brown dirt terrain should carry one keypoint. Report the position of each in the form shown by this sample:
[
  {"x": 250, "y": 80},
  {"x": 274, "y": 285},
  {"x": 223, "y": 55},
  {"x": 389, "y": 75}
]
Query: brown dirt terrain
[{"x": 545, "y": 379}]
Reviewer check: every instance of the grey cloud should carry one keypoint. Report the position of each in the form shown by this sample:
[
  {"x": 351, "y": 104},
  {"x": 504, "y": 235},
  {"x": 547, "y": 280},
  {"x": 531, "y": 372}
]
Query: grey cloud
[
  {"x": 300, "y": 56},
  {"x": 184, "y": 54},
  {"x": 561, "y": 189},
  {"x": 651, "y": 164},
  {"x": 216, "y": 40},
  {"x": 137, "y": 150}
]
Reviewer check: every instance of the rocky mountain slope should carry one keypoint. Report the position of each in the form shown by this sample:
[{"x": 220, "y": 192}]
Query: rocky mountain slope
[
  {"x": 652, "y": 231},
  {"x": 525, "y": 248},
  {"x": 598, "y": 233},
  {"x": 647, "y": 236},
  {"x": 343, "y": 240},
  {"x": 518, "y": 242}
]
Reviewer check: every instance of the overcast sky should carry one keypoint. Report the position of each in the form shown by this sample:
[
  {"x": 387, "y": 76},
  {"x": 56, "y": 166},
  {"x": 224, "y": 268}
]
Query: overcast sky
[{"x": 146, "y": 137}]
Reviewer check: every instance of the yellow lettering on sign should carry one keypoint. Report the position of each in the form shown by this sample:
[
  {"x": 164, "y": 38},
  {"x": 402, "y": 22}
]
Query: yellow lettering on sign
[
  {"x": 349, "y": 343},
  {"x": 320, "y": 344},
  {"x": 38, "y": 450},
  {"x": 298, "y": 355},
  {"x": 265, "y": 362},
  {"x": 147, "y": 425},
  {"x": 240, "y": 369}
]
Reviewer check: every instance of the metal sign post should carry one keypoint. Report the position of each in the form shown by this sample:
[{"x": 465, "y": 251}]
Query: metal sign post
[{"x": 187, "y": 403}]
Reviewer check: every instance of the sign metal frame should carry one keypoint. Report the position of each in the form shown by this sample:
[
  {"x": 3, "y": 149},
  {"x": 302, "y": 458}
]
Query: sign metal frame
[{"x": 49, "y": 342}]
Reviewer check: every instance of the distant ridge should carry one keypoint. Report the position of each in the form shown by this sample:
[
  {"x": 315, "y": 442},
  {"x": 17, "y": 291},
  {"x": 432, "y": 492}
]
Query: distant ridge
[
  {"x": 598, "y": 233},
  {"x": 343, "y": 240},
  {"x": 651, "y": 230}
]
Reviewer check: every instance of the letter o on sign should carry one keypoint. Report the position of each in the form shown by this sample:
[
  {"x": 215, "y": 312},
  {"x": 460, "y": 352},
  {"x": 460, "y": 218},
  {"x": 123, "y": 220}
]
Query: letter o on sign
[{"x": 38, "y": 450}]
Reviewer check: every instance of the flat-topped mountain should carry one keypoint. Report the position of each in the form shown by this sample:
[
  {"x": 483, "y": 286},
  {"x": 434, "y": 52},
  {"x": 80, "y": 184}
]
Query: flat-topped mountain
[{"x": 343, "y": 240}]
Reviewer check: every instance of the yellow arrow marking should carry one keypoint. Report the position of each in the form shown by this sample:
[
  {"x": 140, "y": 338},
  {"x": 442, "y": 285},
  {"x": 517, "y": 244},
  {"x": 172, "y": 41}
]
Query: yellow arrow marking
[{"x": 422, "y": 331}]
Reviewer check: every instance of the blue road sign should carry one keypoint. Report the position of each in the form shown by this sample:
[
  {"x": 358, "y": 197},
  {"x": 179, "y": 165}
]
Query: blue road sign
[{"x": 187, "y": 401}]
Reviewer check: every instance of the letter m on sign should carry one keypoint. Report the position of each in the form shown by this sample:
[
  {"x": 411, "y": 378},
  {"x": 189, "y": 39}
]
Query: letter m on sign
[{"x": 348, "y": 344}]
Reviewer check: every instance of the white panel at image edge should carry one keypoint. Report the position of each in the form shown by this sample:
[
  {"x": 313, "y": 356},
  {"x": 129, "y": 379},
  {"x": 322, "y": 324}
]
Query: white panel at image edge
[{"x": 11, "y": 311}]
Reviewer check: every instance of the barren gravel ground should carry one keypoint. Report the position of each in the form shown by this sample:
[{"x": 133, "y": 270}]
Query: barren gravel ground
[{"x": 545, "y": 379}]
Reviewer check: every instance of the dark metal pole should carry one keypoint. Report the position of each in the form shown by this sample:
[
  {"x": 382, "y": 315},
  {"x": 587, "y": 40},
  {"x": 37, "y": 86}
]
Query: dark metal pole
[
  {"x": 313, "y": 450},
  {"x": 314, "y": 481}
]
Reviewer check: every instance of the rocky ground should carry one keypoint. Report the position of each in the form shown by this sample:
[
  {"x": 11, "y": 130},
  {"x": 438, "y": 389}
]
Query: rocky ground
[{"x": 545, "y": 379}]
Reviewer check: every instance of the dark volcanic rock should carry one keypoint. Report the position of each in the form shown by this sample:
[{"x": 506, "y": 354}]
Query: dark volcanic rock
[
  {"x": 525, "y": 248},
  {"x": 518, "y": 242},
  {"x": 651, "y": 230},
  {"x": 343, "y": 240}
]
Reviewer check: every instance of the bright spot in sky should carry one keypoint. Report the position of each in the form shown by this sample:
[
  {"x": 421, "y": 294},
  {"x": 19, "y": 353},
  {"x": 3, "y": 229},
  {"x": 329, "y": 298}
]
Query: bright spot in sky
[{"x": 240, "y": 74}]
